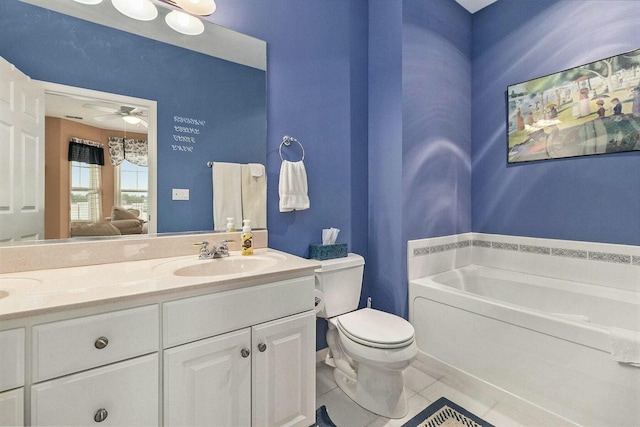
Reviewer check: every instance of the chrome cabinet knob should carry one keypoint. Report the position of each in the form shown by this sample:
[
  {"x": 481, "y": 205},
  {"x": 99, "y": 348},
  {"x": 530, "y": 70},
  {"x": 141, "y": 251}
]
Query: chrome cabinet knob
[
  {"x": 100, "y": 415},
  {"x": 262, "y": 347},
  {"x": 245, "y": 352},
  {"x": 101, "y": 343}
]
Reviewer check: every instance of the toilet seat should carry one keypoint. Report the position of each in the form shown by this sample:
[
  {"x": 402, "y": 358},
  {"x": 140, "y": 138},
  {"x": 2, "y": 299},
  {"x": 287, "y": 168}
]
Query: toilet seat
[{"x": 377, "y": 329}]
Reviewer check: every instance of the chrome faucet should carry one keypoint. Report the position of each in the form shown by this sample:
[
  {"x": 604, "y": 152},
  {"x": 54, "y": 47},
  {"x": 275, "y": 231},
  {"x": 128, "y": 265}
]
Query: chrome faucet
[{"x": 217, "y": 252}]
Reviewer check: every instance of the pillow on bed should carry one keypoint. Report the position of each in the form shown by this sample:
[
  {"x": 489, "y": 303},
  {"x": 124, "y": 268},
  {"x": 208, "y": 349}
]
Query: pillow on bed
[{"x": 122, "y": 213}]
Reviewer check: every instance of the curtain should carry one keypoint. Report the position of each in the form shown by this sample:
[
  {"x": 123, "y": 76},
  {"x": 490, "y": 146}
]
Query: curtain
[
  {"x": 133, "y": 150},
  {"x": 95, "y": 197},
  {"x": 85, "y": 151}
]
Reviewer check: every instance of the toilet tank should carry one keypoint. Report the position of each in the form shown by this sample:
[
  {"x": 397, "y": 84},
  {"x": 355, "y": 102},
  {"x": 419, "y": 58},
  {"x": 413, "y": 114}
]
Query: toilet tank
[{"x": 340, "y": 281}]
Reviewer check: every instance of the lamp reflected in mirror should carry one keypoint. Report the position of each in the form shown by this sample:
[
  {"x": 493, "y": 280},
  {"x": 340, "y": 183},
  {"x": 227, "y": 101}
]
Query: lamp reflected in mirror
[{"x": 142, "y": 10}]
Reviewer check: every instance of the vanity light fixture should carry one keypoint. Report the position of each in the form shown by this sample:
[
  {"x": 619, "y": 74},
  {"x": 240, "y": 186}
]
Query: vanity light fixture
[
  {"x": 142, "y": 10},
  {"x": 184, "y": 23},
  {"x": 197, "y": 7},
  {"x": 184, "y": 19}
]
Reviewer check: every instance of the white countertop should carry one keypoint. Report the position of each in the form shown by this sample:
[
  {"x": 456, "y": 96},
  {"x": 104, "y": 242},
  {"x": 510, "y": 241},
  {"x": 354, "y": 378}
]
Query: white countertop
[{"x": 44, "y": 291}]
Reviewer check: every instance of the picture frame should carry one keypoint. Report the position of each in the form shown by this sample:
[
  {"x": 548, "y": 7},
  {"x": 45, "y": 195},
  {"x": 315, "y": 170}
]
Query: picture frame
[{"x": 586, "y": 110}]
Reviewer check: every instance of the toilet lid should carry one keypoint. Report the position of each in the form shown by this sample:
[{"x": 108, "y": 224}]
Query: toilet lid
[{"x": 375, "y": 328}]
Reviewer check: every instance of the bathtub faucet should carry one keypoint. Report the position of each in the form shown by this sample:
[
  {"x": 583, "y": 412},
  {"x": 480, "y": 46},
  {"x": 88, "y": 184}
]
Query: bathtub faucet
[{"x": 222, "y": 250}]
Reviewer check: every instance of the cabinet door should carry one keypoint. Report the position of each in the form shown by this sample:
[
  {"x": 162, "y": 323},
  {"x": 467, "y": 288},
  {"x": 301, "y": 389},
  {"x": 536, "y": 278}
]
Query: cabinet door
[
  {"x": 122, "y": 394},
  {"x": 12, "y": 408},
  {"x": 283, "y": 389},
  {"x": 208, "y": 382}
]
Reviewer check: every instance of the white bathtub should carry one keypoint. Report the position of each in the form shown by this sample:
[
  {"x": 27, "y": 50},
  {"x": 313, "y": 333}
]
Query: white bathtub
[{"x": 544, "y": 340}]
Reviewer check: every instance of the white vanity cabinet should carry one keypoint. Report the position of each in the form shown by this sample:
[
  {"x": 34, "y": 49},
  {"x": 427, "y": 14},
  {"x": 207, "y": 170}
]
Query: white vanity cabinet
[
  {"x": 120, "y": 394},
  {"x": 208, "y": 382},
  {"x": 12, "y": 350},
  {"x": 255, "y": 364},
  {"x": 219, "y": 351},
  {"x": 283, "y": 371},
  {"x": 99, "y": 369}
]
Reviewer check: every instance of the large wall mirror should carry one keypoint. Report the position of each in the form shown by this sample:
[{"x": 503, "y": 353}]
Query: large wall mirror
[{"x": 208, "y": 91}]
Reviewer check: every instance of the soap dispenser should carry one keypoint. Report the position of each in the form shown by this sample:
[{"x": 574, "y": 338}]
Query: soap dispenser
[
  {"x": 247, "y": 238},
  {"x": 230, "y": 226}
]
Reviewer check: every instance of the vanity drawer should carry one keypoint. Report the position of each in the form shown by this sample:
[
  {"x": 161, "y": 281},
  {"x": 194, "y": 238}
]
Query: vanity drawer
[
  {"x": 74, "y": 345},
  {"x": 12, "y": 407},
  {"x": 200, "y": 317},
  {"x": 11, "y": 359},
  {"x": 125, "y": 394}
]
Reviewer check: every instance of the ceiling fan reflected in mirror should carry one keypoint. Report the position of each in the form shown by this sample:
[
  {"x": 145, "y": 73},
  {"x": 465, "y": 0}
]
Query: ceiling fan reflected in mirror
[{"x": 131, "y": 115}]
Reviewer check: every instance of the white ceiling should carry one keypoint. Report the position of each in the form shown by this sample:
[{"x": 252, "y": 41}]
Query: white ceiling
[
  {"x": 75, "y": 108},
  {"x": 474, "y": 5}
]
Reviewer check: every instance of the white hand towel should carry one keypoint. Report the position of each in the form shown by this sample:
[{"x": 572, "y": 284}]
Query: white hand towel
[
  {"x": 293, "y": 186},
  {"x": 227, "y": 194},
  {"x": 625, "y": 345},
  {"x": 254, "y": 194}
]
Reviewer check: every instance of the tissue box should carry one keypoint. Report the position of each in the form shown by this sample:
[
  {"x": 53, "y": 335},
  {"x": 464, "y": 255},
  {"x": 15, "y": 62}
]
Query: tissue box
[{"x": 322, "y": 252}]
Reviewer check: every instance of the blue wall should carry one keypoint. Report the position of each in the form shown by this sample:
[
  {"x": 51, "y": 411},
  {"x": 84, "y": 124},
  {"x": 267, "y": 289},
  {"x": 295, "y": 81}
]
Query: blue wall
[
  {"x": 589, "y": 198},
  {"x": 317, "y": 92},
  {"x": 419, "y": 135},
  {"x": 384, "y": 95}
]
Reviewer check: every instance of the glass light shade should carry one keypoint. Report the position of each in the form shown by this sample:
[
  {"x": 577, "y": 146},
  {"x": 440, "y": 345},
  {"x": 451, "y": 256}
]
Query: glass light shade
[
  {"x": 132, "y": 120},
  {"x": 88, "y": 1},
  {"x": 142, "y": 10},
  {"x": 197, "y": 7},
  {"x": 184, "y": 23}
]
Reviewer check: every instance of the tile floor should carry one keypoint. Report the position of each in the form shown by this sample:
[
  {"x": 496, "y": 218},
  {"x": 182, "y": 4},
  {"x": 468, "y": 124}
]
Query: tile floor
[{"x": 421, "y": 390}]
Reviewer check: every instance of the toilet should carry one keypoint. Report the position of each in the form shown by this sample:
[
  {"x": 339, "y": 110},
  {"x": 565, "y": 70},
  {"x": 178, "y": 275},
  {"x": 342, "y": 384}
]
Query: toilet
[{"x": 368, "y": 348}]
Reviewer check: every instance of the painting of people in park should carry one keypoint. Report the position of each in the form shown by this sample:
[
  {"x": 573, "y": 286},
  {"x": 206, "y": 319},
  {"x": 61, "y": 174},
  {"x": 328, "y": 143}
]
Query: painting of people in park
[{"x": 586, "y": 110}]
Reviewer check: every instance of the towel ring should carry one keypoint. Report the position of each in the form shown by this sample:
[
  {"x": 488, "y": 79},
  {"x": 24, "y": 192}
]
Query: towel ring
[{"x": 286, "y": 141}]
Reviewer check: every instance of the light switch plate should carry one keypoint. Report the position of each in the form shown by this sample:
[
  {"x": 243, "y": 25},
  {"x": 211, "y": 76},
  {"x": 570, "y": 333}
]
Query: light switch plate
[{"x": 180, "y": 194}]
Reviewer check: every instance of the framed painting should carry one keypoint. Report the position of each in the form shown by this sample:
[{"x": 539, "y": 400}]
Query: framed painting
[{"x": 586, "y": 110}]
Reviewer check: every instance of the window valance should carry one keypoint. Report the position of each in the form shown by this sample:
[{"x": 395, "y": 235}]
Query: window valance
[
  {"x": 85, "y": 151},
  {"x": 134, "y": 150}
]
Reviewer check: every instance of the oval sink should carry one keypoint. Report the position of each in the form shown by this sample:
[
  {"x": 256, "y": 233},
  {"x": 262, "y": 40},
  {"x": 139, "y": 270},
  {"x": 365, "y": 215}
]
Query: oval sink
[
  {"x": 234, "y": 264},
  {"x": 225, "y": 266},
  {"x": 17, "y": 282}
]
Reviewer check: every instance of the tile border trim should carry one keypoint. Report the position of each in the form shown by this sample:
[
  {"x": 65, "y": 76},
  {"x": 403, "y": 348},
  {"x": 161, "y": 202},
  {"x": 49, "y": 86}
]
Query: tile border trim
[{"x": 610, "y": 257}]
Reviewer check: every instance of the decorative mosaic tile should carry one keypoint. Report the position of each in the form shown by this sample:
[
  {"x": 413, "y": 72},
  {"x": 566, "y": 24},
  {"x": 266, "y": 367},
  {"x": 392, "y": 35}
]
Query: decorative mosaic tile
[
  {"x": 535, "y": 249},
  {"x": 608, "y": 257},
  {"x": 437, "y": 249},
  {"x": 570, "y": 253},
  {"x": 635, "y": 260},
  {"x": 505, "y": 246},
  {"x": 421, "y": 251},
  {"x": 481, "y": 243},
  {"x": 464, "y": 244}
]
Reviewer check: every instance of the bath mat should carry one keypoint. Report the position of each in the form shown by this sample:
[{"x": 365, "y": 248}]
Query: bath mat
[
  {"x": 322, "y": 418},
  {"x": 445, "y": 413}
]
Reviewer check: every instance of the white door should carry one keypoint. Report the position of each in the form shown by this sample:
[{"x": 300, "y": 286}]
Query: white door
[
  {"x": 284, "y": 384},
  {"x": 21, "y": 156},
  {"x": 208, "y": 382}
]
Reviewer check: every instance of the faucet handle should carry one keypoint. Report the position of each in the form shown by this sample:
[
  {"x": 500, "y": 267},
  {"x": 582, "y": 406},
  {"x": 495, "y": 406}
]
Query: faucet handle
[
  {"x": 223, "y": 243},
  {"x": 204, "y": 250}
]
